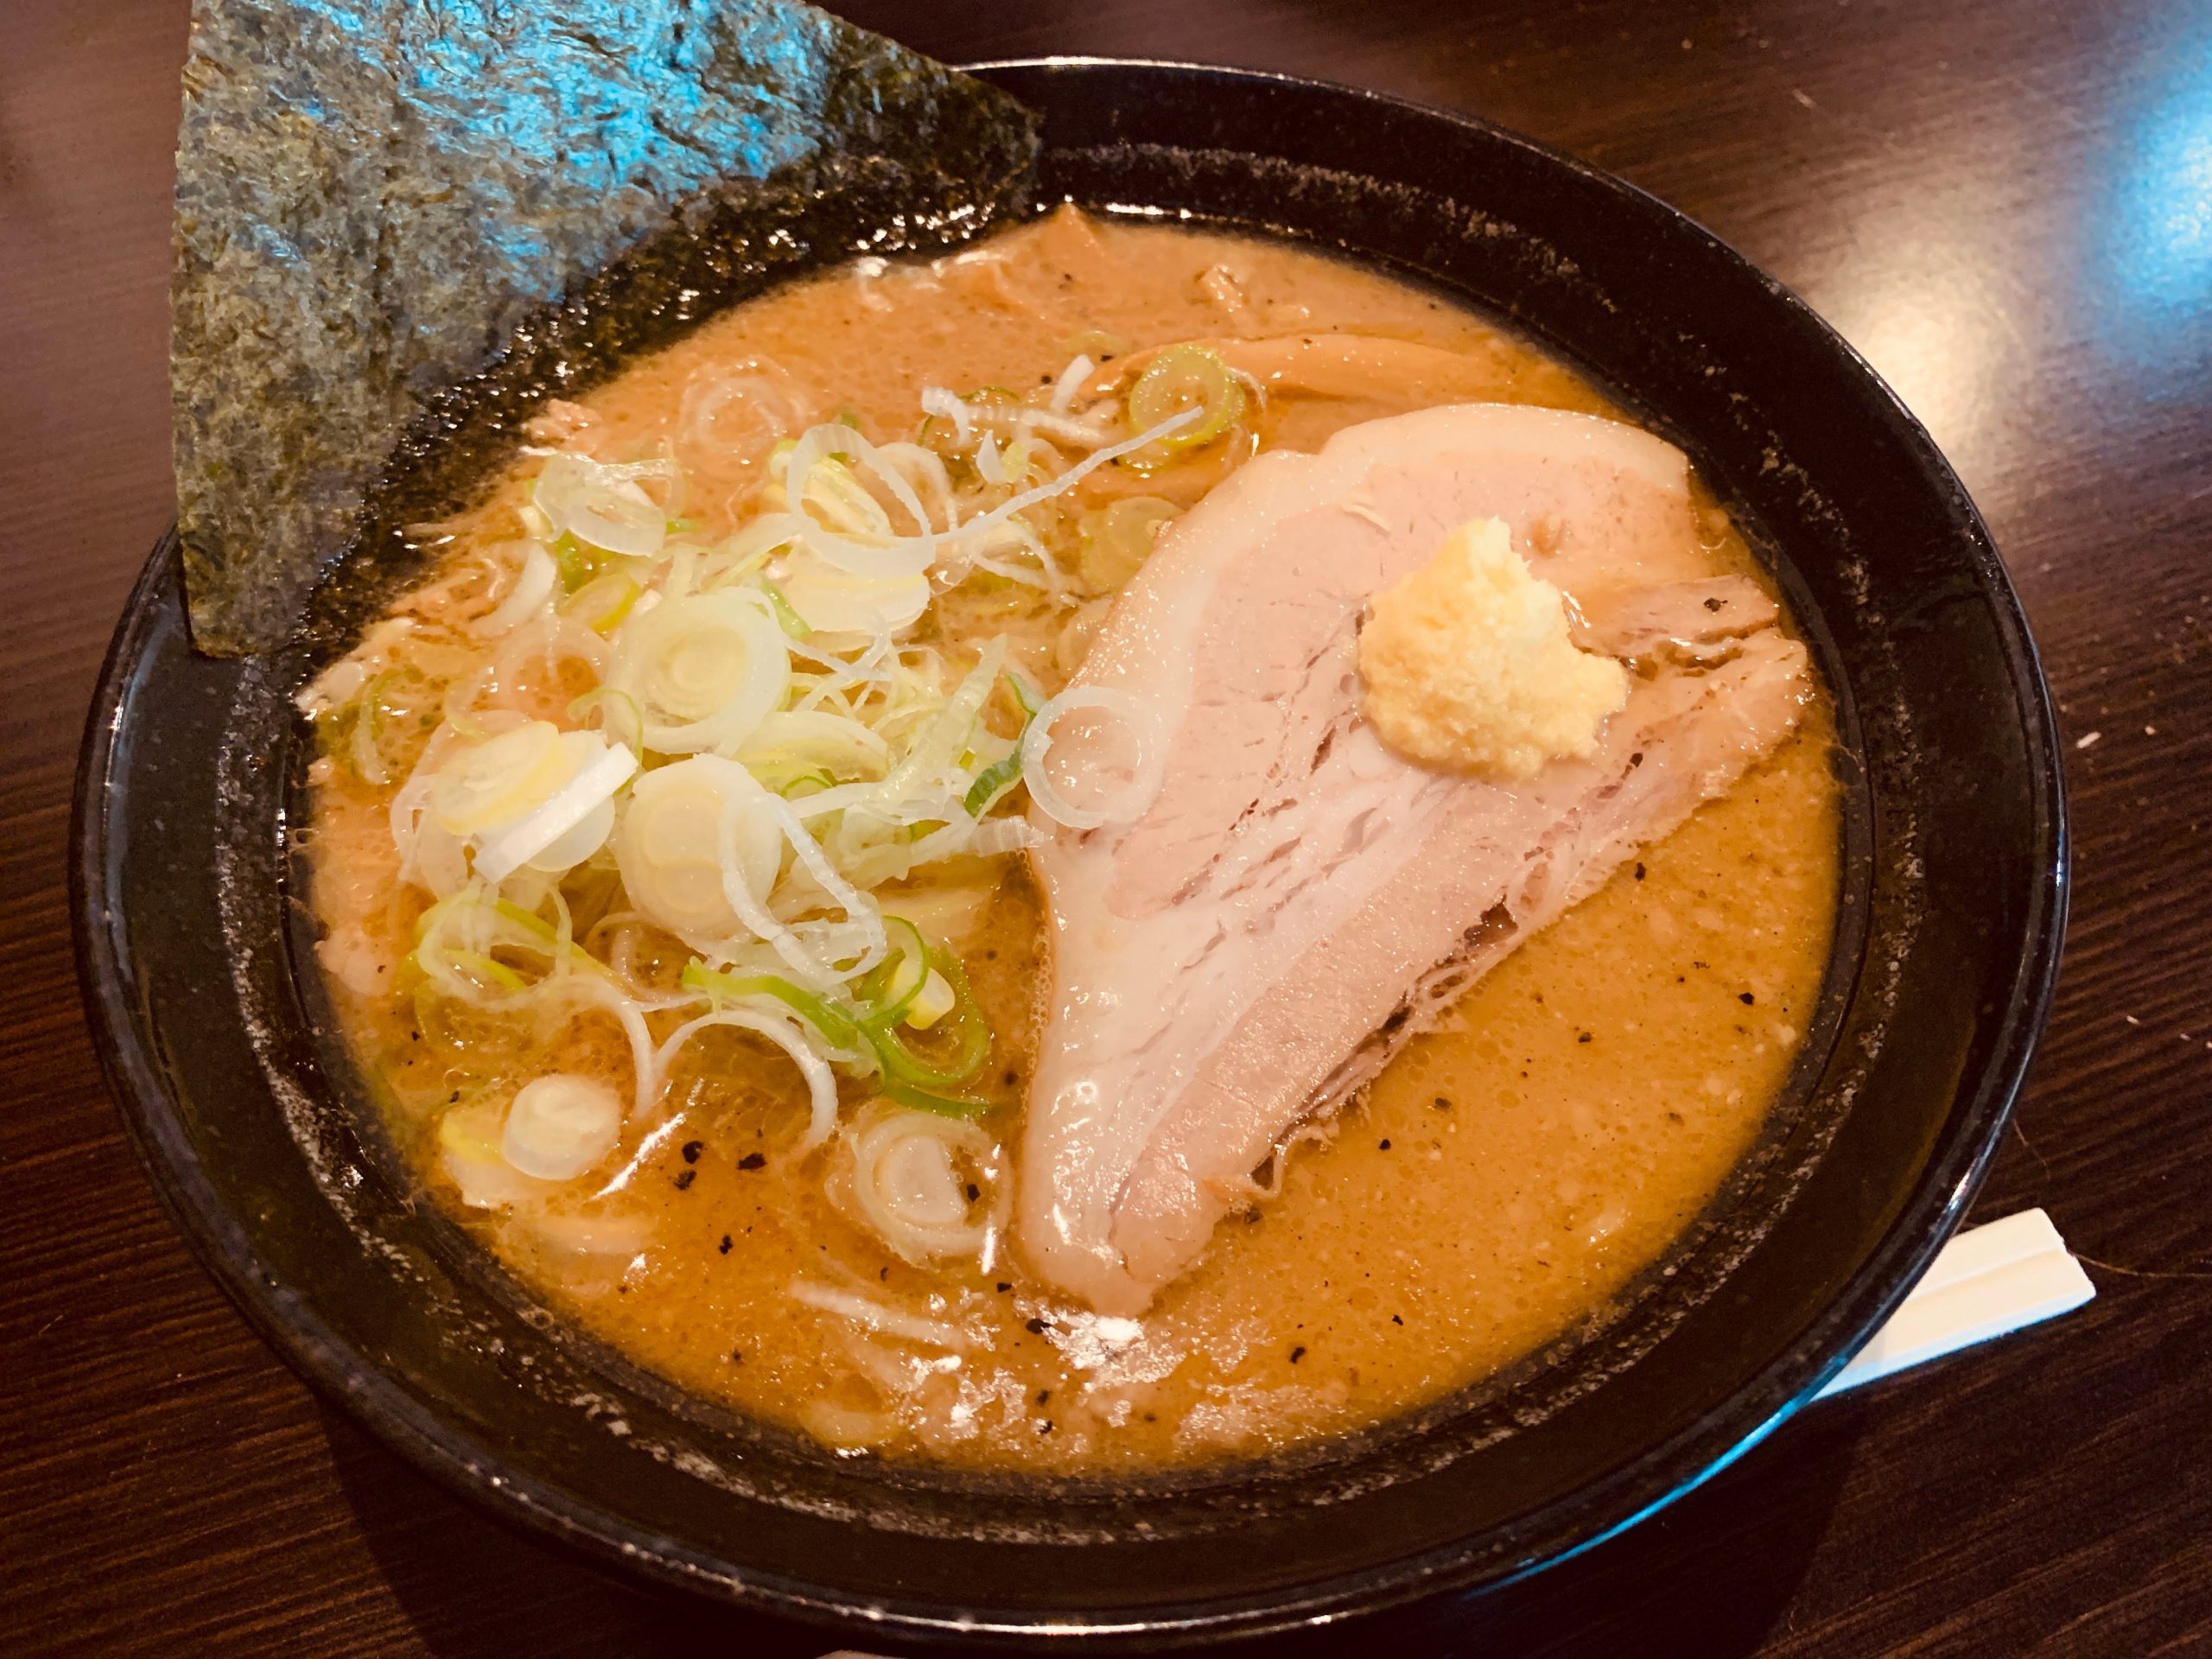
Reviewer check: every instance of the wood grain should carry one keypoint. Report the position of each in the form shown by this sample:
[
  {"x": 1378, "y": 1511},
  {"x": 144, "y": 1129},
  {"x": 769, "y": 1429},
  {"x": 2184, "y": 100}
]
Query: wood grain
[{"x": 2006, "y": 206}]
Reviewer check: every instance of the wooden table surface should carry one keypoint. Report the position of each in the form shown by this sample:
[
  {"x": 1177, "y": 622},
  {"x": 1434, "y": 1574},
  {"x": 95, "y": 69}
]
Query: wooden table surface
[{"x": 2006, "y": 207}]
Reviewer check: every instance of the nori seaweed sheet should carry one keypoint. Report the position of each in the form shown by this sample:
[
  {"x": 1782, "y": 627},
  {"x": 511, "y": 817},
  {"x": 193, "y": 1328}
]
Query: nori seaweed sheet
[{"x": 401, "y": 225}]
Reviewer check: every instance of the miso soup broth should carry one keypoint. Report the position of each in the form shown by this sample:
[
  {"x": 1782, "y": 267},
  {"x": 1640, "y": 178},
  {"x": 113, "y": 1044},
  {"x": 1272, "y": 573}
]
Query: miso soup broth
[{"x": 673, "y": 867}]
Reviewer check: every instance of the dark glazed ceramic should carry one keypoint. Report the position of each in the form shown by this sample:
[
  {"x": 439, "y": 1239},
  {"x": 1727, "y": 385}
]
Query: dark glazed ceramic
[{"x": 192, "y": 958}]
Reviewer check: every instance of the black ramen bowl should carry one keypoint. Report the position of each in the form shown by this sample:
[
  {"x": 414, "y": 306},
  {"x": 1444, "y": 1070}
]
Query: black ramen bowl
[{"x": 193, "y": 945}]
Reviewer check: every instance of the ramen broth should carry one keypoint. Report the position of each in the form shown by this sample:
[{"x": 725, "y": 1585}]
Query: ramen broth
[{"x": 1504, "y": 1181}]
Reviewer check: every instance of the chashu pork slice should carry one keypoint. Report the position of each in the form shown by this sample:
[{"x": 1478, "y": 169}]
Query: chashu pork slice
[{"x": 1296, "y": 899}]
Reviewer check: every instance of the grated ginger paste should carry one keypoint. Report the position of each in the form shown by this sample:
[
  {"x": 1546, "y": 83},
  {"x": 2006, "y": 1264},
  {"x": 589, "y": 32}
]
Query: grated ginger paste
[{"x": 1468, "y": 666}]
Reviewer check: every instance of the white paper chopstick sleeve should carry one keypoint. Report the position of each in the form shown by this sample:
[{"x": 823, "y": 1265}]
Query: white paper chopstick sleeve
[{"x": 1984, "y": 1284}]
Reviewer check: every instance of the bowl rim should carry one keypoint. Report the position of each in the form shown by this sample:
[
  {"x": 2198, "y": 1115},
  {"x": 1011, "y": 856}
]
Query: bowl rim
[{"x": 454, "y": 1461}]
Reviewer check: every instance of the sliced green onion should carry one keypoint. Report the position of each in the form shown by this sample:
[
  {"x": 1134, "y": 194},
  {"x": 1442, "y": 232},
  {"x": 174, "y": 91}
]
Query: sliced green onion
[
  {"x": 518, "y": 930},
  {"x": 931, "y": 1003},
  {"x": 1021, "y": 463},
  {"x": 751, "y": 548},
  {"x": 924, "y": 1100},
  {"x": 987, "y": 403},
  {"x": 835, "y": 1022},
  {"x": 461, "y": 716},
  {"x": 789, "y": 743},
  {"x": 992, "y": 782},
  {"x": 601, "y": 603},
  {"x": 531, "y": 923},
  {"x": 944, "y": 737},
  {"x": 963, "y": 1035},
  {"x": 499, "y": 779},
  {"x": 791, "y": 621},
  {"x": 895, "y": 982},
  {"x": 367, "y": 749},
  {"x": 612, "y": 702},
  {"x": 969, "y": 1032},
  {"x": 486, "y": 972},
  {"x": 819, "y": 780},
  {"x": 704, "y": 667},
  {"x": 840, "y": 500},
  {"x": 578, "y": 564},
  {"x": 1180, "y": 377},
  {"x": 602, "y": 505},
  {"x": 999, "y": 777}
]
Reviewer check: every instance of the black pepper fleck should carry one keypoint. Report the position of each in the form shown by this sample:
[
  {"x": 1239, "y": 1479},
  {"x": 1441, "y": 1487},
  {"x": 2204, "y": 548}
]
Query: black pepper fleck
[
  {"x": 1297, "y": 1354},
  {"x": 1712, "y": 604},
  {"x": 1042, "y": 1394},
  {"x": 692, "y": 1149},
  {"x": 1036, "y": 1327},
  {"x": 1395, "y": 1319},
  {"x": 1746, "y": 998},
  {"x": 726, "y": 1245},
  {"x": 753, "y": 1161},
  {"x": 1383, "y": 1145},
  {"x": 1583, "y": 1038},
  {"x": 1639, "y": 872},
  {"x": 1004, "y": 1288},
  {"x": 737, "y": 1356},
  {"x": 1012, "y": 1077},
  {"x": 1443, "y": 1104},
  {"x": 685, "y": 1178},
  {"x": 974, "y": 1191}
]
